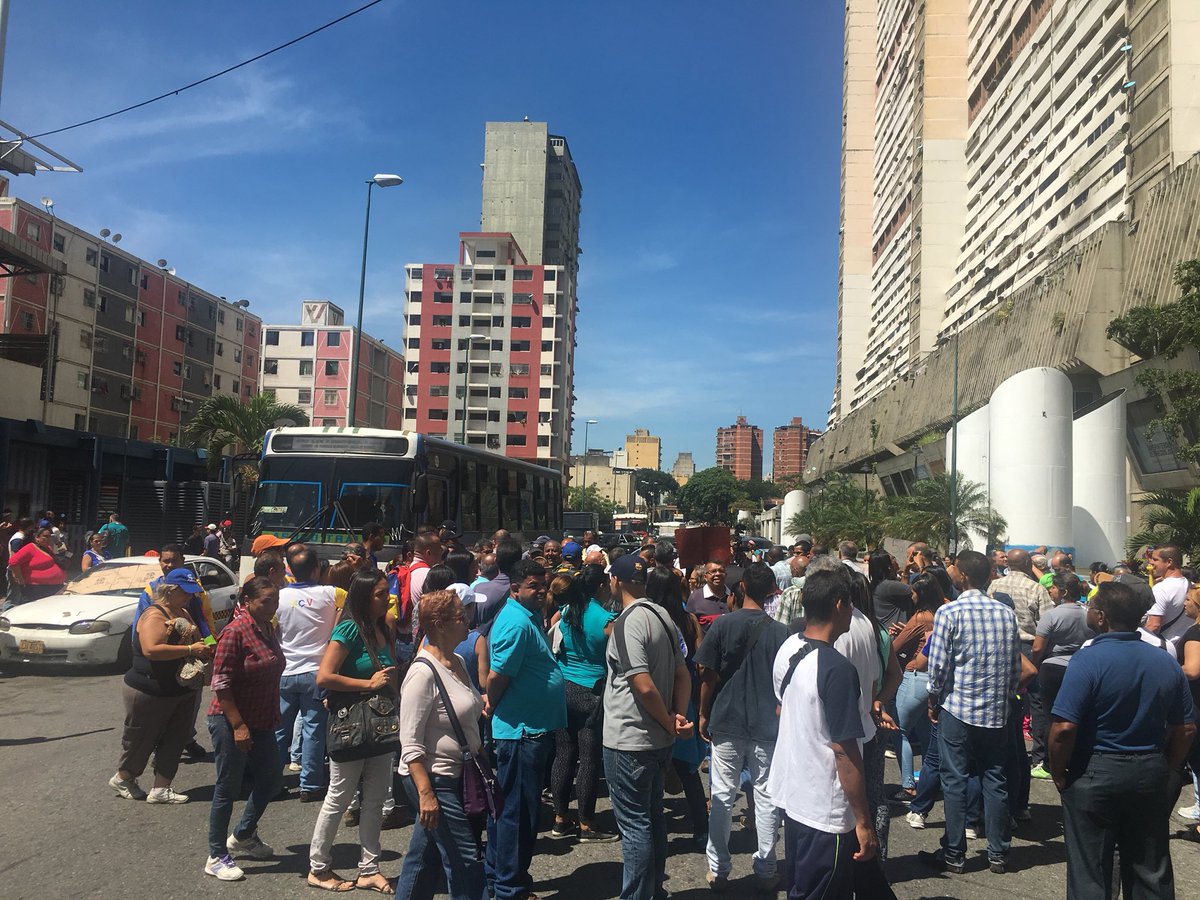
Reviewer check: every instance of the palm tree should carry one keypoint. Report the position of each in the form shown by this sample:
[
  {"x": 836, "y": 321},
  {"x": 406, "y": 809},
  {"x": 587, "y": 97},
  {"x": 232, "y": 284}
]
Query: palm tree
[
  {"x": 225, "y": 421},
  {"x": 1171, "y": 517},
  {"x": 925, "y": 514},
  {"x": 842, "y": 510}
]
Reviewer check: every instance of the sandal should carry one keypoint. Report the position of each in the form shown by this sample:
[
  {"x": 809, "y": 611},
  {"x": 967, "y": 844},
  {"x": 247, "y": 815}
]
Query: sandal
[
  {"x": 388, "y": 887},
  {"x": 333, "y": 883}
]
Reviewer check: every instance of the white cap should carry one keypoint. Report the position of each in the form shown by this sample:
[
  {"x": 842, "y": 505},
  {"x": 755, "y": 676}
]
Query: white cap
[{"x": 212, "y": 527}]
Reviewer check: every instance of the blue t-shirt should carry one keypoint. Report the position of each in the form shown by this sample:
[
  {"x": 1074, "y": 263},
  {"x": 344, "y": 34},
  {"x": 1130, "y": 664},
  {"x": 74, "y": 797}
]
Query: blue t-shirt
[
  {"x": 1124, "y": 695},
  {"x": 582, "y": 661},
  {"x": 118, "y": 539},
  {"x": 535, "y": 702}
]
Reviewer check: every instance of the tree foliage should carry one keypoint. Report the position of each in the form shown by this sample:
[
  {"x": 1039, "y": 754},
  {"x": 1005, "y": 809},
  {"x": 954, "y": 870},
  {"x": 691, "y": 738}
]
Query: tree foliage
[
  {"x": 925, "y": 515},
  {"x": 225, "y": 421},
  {"x": 708, "y": 496},
  {"x": 589, "y": 499},
  {"x": 1169, "y": 330},
  {"x": 842, "y": 509},
  {"x": 652, "y": 485},
  {"x": 1170, "y": 517}
]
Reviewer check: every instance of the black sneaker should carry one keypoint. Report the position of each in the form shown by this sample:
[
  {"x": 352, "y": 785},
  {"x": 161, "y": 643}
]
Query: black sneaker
[
  {"x": 937, "y": 860},
  {"x": 193, "y": 750},
  {"x": 595, "y": 836},
  {"x": 564, "y": 829},
  {"x": 350, "y": 818},
  {"x": 998, "y": 867}
]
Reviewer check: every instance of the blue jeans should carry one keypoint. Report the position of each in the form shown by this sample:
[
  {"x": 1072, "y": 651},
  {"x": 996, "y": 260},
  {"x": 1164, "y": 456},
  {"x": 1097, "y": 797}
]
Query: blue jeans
[
  {"x": 635, "y": 787},
  {"x": 912, "y": 707},
  {"x": 968, "y": 749},
  {"x": 451, "y": 845},
  {"x": 930, "y": 783},
  {"x": 298, "y": 697},
  {"x": 263, "y": 761},
  {"x": 520, "y": 771}
]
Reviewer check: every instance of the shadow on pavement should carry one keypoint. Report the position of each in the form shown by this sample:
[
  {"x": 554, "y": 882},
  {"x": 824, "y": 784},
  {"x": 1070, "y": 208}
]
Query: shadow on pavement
[{"x": 24, "y": 742}]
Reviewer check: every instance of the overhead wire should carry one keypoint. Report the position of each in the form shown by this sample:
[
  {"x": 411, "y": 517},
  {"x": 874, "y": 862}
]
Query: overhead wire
[{"x": 205, "y": 80}]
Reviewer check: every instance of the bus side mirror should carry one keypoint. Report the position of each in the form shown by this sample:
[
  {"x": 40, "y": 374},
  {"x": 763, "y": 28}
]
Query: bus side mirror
[{"x": 420, "y": 494}]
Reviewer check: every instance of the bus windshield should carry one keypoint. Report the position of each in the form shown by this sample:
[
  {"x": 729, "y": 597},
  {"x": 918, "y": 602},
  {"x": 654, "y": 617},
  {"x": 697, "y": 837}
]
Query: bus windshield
[{"x": 284, "y": 505}]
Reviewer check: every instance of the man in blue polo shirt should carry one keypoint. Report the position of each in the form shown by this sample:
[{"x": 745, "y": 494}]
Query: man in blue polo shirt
[
  {"x": 1123, "y": 724},
  {"x": 526, "y": 702}
]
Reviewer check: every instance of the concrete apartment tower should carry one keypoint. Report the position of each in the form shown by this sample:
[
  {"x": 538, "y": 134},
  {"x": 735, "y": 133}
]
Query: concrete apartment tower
[
  {"x": 684, "y": 468},
  {"x": 740, "y": 450},
  {"x": 643, "y": 450},
  {"x": 789, "y": 448}
]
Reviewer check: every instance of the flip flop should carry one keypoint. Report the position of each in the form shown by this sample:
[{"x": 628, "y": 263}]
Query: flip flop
[
  {"x": 390, "y": 889},
  {"x": 337, "y": 887}
]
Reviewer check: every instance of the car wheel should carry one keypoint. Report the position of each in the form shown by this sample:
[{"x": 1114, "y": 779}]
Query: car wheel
[{"x": 124, "y": 654}]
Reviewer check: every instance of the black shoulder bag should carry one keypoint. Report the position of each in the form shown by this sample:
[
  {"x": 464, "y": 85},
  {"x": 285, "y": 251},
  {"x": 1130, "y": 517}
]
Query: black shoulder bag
[{"x": 362, "y": 724}]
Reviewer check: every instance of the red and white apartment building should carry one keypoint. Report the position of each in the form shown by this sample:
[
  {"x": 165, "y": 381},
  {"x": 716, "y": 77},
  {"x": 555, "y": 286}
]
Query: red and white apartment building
[
  {"x": 128, "y": 349},
  {"x": 309, "y": 365}
]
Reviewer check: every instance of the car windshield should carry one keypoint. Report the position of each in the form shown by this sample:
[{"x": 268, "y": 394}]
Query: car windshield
[{"x": 114, "y": 579}]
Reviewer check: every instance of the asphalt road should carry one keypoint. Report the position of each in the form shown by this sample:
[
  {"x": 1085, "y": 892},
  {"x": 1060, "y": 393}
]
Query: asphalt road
[{"x": 65, "y": 833}]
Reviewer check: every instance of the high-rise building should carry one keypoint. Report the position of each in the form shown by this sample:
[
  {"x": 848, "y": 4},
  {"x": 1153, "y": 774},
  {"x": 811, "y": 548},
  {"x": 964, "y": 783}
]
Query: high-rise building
[
  {"x": 613, "y": 482},
  {"x": 532, "y": 191},
  {"x": 492, "y": 337},
  {"x": 128, "y": 349},
  {"x": 789, "y": 448},
  {"x": 643, "y": 450},
  {"x": 684, "y": 468},
  {"x": 740, "y": 450},
  {"x": 309, "y": 365}
]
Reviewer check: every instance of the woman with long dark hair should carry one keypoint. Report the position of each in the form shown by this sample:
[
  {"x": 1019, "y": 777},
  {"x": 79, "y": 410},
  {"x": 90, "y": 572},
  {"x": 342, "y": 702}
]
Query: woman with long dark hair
[
  {"x": 584, "y": 625},
  {"x": 359, "y": 660},
  {"x": 665, "y": 588},
  {"x": 892, "y": 599},
  {"x": 912, "y": 697}
]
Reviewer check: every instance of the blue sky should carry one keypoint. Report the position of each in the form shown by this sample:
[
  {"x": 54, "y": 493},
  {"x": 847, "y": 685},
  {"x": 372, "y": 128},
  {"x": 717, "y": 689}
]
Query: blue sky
[{"x": 706, "y": 136}]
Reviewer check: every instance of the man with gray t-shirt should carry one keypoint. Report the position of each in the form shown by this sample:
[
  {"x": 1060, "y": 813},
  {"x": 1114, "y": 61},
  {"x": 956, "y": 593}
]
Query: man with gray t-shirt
[{"x": 645, "y": 705}]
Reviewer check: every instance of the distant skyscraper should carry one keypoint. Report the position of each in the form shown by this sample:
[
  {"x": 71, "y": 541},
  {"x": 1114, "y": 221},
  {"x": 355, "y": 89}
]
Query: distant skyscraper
[
  {"x": 684, "y": 468},
  {"x": 643, "y": 450},
  {"x": 740, "y": 450},
  {"x": 789, "y": 449}
]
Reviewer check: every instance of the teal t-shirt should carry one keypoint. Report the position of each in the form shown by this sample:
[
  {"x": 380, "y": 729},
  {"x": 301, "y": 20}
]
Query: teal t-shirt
[
  {"x": 582, "y": 660},
  {"x": 118, "y": 539},
  {"x": 358, "y": 661},
  {"x": 535, "y": 701}
]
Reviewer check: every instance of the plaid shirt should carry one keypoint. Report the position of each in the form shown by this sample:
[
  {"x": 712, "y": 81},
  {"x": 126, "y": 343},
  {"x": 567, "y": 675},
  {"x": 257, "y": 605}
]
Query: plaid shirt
[
  {"x": 1028, "y": 599},
  {"x": 974, "y": 659},
  {"x": 790, "y": 604},
  {"x": 248, "y": 664}
]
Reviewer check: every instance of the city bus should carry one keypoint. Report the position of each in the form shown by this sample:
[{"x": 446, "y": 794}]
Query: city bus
[{"x": 322, "y": 485}]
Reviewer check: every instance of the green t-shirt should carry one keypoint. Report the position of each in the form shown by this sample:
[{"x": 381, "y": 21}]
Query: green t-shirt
[{"x": 358, "y": 661}]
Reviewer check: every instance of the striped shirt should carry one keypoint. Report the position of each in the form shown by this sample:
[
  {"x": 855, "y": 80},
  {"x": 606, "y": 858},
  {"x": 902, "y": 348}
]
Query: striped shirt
[{"x": 975, "y": 659}]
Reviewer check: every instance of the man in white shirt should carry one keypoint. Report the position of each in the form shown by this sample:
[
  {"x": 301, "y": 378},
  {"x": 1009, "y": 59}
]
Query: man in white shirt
[
  {"x": 1166, "y": 618},
  {"x": 307, "y": 614}
]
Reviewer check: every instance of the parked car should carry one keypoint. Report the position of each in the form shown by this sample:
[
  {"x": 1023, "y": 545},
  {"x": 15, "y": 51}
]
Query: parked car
[{"x": 90, "y": 622}]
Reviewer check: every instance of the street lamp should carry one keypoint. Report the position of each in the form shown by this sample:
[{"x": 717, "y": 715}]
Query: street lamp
[
  {"x": 586, "y": 425},
  {"x": 471, "y": 338},
  {"x": 383, "y": 180},
  {"x": 954, "y": 449}
]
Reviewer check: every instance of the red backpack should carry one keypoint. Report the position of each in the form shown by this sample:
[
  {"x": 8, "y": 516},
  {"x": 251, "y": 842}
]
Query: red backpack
[{"x": 400, "y": 578}]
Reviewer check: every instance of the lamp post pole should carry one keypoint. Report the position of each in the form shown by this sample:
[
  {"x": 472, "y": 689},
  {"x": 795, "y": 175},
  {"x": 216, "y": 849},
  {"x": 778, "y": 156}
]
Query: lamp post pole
[
  {"x": 356, "y": 347},
  {"x": 471, "y": 339},
  {"x": 586, "y": 425},
  {"x": 954, "y": 454}
]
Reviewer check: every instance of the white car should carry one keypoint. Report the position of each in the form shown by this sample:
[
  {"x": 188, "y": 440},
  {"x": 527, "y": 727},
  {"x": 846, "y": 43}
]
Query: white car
[{"x": 90, "y": 622}]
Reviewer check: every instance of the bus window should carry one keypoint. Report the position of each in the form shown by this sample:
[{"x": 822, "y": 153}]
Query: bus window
[
  {"x": 435, "y": 513},
  {"x": 382, "y": 503},
  {"x": 489, "y": 500},
  {"x": 469, "y": 498},
  {"x": 528, "y": 520},
  {"x": 284, "y": 505},
  {"x": 512, "y": 512}
]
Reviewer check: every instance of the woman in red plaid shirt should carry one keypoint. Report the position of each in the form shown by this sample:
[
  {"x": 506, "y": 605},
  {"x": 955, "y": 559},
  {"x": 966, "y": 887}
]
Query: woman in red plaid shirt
[{"x": 242, "y": 720}]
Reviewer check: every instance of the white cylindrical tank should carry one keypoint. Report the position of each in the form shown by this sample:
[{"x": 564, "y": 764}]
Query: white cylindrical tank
[
  {"x": 1098, "y": 481},
  {"x": 1030, "y": 450},
  {"x": 973, "y": 458},
  {"x": 794, "y": 502}
]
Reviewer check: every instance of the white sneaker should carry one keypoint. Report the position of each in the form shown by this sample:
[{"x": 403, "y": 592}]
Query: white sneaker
[
  {"x": 889, "y": 754},
  {"x": 165, "y": 795},
  {"x": 915, "y": 820},
  {"x": 223, "y": 868},
  {"x": 293, "y": 767},
  {"x": 972, "y": 834},
  {"x": 1184, "y": 812},
  {"x": 126, "y": 788},
  {"x": 252, "y": 846}
]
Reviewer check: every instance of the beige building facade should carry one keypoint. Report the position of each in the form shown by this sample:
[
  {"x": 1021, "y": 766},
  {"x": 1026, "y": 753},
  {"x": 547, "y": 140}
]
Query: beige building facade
[
  {"x": 643, "y": 450},
  {"x": 612, "y": 482}
]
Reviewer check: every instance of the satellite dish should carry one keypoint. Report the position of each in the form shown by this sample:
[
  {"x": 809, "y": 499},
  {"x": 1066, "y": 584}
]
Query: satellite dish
[
  {"x": 116, "y": 239},
  {"x": 104, "y": 232},
  {"x": 48, "y": 203},
  {"x": 162, "y": 263},
  {"x": 171, "y": 271}
]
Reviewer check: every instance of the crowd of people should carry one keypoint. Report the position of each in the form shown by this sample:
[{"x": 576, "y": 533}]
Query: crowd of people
[{"x": 460, "y": 689}]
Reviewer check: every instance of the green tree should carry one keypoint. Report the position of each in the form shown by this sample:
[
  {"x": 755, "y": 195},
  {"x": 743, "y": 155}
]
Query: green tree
[
  {"x": 225, "y": 421},
  {"x": 841, "y": 509},
  {"x": 652, "y": 485},
  {"x": 924, "y": 515},
  {"x": 1170, "y": 517},
  {"x": 708, "y": 496},
  {"x": 757, "y": 491},
  {"x": 589, "y": 499},
  {"x": 1169, "y": 330}
]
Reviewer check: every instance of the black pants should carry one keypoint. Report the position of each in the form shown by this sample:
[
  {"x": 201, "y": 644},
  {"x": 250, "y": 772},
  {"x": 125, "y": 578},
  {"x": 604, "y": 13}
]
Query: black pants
[
  {"x": 818, "y": 864},
  {"x": 1039, "y": 716},
  {"x": 693, "y": 792},
  {"x": 1016, "y": 767},
  {"x": 1120, "y": 802},
  {"x": 1051, "y": 678},
  {"x": 578, "y": 743}
]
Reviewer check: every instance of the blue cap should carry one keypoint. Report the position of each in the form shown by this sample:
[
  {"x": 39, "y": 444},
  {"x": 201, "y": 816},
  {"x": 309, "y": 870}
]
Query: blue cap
[
  {"x": 629, "y": 568},
  {"x": 571, "y": 550},
  {"x": 184, "y": 579}
]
